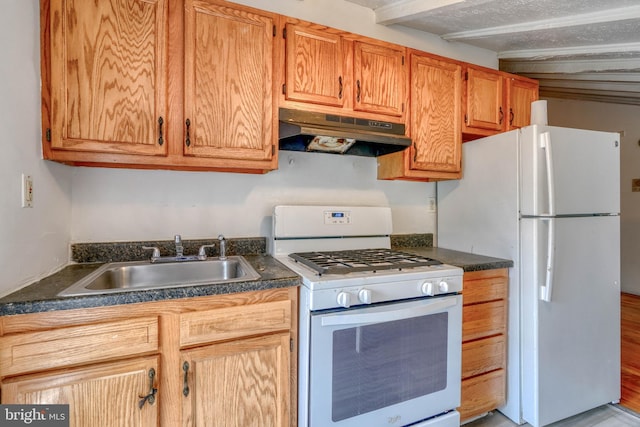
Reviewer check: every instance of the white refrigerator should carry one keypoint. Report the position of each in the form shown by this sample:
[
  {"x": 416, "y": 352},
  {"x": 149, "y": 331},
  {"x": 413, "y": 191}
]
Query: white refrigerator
[{"x": 547, "y": 198}]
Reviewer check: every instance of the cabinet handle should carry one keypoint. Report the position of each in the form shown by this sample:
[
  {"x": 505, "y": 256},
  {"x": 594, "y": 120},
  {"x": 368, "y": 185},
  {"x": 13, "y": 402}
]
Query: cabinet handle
[
  {"x": 188, "y": 138},
  {"x": 357, "y": 90},
  {"x": 501, "y": 116},
  {"x": 510, "y": 116},
  {"x": 160, "y": 123},
  {"x": 185, "y": 385},
  {"x": 151, "y": 397},
  {"x": 415, "y": 153},
  {"x": 340, "y": 86}
]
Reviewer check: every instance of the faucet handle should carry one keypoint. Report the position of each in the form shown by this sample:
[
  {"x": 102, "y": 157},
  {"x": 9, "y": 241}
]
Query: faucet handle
[
  {"x": 202, "y": 253},
  {"x": 156, "y": 252}
]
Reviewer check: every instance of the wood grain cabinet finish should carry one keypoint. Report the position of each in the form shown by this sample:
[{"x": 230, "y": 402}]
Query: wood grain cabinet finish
[
  {"x": 331, "y": 71},
  {"x": 159, "y": 84},
  {"x": 435, "y": 96},
  {"x": 520, "y": 93},
  {"x": 221, "y": 360},
  {"x": 483, "y": 342},
  {"x": 483, "y": 101}
]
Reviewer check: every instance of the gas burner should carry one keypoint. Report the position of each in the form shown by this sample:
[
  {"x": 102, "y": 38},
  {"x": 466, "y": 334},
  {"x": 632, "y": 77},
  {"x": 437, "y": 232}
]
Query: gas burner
[{"x": 350, "y": 261}]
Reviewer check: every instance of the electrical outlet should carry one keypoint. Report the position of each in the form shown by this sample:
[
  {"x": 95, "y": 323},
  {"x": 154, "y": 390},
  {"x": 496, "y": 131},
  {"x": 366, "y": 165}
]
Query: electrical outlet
[
  {"x": 635, "y": 184},
  {"x": 27, "y": 191},
  {"x": 431, "y": 204}
]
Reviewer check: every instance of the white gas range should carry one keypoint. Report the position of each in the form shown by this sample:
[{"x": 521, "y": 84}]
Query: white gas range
[{"x": 380, "y": 330}]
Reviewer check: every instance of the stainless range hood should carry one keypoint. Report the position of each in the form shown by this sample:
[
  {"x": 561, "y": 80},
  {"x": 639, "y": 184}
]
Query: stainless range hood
[{"x": 330, "y": 133}]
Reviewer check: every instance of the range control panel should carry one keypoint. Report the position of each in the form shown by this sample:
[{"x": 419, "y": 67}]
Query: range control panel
[{"x": 337, "y": 217}]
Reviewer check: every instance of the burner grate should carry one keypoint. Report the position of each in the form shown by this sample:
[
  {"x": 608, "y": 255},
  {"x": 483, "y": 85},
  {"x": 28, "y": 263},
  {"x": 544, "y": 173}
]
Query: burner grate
[{"x": 343, "y": 262}]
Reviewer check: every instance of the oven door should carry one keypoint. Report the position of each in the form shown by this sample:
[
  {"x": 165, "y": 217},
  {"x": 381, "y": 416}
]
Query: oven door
[{"x": 386, "y": 365}]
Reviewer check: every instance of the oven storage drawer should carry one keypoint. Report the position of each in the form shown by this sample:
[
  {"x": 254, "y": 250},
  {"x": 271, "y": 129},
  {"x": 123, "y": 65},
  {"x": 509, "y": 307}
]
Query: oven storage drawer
[
  {"x": 482, "y": 393},
  {"x": 483, "y": 355}
]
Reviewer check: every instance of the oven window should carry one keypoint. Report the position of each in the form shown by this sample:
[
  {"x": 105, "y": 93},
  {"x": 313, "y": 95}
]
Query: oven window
[{"x": 375, "y": 366}]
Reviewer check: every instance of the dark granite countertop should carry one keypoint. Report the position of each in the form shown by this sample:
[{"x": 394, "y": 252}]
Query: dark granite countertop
[
  {"x": 41, "y": 296},
  {"x": 464, "y": 260}
]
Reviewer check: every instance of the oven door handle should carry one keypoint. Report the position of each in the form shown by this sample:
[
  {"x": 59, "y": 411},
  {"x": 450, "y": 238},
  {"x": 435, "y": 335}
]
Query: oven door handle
[{"x": 390, "y": 315}]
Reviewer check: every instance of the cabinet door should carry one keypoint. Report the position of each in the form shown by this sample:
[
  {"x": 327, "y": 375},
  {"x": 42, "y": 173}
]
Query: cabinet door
[
  {"x": 380, "y": 79},
  {"x": 238, "y": 383},
  {"x": 314, "y": 66},
  {"x": 520, "y": 94},
  {"x": 106, "y": 395},
  {"x": 108, "y": 76},
  {"x": 484, "y": 100},
  {"x": 435, "y": 115},
  {"x": 229, "y": 110}
]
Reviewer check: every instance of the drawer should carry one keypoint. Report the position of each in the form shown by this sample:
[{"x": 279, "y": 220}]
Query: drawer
[
  {"x": 483, "y": 320},
  {"x": 482, "y": 394},
  {"x": 483, "y": 355},
  {"x": 37, "y": 351},
  {"x": 488, "y": 286},
  {"x": 234, "y": 322}
]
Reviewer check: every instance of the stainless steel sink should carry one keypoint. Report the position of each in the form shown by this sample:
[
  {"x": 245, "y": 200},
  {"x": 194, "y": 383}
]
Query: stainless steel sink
[{"x": 140, "y": 275}]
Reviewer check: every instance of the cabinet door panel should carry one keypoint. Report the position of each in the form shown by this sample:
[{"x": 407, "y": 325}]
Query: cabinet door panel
[
  {"x": 314, "y": 66},
  {"x": 435, "y": 115},
  {"x": 228, "y": 82},
  {"x": 108, "y": 66},
  {"x": 380, "y": 79},
  {"x": 521, "y": 95},
  {"x": 484, "y": 100},
  {"x": 239, "y": 383},
  {"x": 107, "y": 395}
]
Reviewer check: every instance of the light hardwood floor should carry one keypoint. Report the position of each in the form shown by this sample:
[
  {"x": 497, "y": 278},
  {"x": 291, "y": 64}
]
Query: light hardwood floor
[{"x": 602, "y": 416}]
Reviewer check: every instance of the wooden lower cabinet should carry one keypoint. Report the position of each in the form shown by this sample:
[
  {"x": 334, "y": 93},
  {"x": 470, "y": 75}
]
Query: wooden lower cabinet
[
  {"x": 227, "y": 360},
  {"x": 484, "y": 324}
]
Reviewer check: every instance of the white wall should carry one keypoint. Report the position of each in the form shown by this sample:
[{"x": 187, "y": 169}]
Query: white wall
[
  {"x": 33, "y": 241},
  {"x": 614, "y": 118},
  {"x": 92, "y": 204}
]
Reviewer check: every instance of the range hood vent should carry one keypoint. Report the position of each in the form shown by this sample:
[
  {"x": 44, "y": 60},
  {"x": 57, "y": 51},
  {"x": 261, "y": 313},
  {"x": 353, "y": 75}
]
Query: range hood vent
[{"x": 330, "y": 133}]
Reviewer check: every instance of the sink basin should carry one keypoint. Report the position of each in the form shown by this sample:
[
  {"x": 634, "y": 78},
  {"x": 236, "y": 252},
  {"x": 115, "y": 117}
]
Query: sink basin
[{"x": 140, "y": 275}]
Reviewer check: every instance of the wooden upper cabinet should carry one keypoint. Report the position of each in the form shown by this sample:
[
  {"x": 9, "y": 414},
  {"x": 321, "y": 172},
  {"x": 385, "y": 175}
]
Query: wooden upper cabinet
[
  {"x": 521, "y": 92},
  {"x": 314, "y": 66},
  {"x": 380, "y": 78},
  {"x": 484, "y": 109},
  {"x": 228, "y": 82},
  {"x": 435, "y": 153},
  {"x": 108, "y": 75}
]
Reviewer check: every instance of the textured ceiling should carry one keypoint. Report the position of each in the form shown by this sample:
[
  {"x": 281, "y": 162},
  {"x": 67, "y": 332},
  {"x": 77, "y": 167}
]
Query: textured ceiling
[{"x": 582, "y": 49}]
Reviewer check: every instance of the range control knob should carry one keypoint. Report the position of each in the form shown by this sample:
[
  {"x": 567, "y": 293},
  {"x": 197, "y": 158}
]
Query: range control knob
[
  {"x": 427, "y": 289},
  {"x": 344, "y": 299},
  {"x": 443, "y": 287},
  {"x": 364, "y": 296}
]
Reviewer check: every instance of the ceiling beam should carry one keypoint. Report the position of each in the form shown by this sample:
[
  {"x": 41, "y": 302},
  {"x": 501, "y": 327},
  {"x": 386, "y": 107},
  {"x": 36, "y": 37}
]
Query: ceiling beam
[
  {"x": 613, "y": 15},
  {"x": 405, "y": 10},
  {"x": 628, "y": 49}
]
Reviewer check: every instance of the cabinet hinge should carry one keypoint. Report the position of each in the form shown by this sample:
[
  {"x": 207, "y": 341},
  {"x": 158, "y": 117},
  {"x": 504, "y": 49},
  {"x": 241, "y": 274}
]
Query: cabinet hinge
[
  {"x": 275, "y": 31},
  {"x": 291, "y": 345},
  {"x": 403, "y": 107},
  {"x": 284, "y": 33},
  {"x": 273, "y": 150},
  {"x": 466, "y": 119},
  {"x": 48, "y": 134},
  {"x": 284, "y": 89}
]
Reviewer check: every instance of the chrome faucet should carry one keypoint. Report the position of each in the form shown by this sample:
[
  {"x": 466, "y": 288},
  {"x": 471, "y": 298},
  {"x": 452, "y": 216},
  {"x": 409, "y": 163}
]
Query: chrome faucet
[
  {"x": 179, "y": 248},
  {"x": 223, "y": 247}
]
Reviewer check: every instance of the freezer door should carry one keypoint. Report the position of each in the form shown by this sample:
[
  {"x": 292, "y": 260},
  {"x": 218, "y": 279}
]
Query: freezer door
[
  {"x": 569, "y": 171},
  {"x": 570, "y": 316}
]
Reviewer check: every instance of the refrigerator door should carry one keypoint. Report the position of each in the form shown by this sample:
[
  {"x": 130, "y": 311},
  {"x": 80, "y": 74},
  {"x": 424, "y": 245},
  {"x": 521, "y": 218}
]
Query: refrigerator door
[
  {"x": 569, "y": 171},
  {"x": 570, "y": 316}
]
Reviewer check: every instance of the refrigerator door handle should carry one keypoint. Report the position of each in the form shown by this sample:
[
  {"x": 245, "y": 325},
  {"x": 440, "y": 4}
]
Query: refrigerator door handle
[
  {"x": 547, "y": 289},
  {"x": 545, "y": 144}
]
